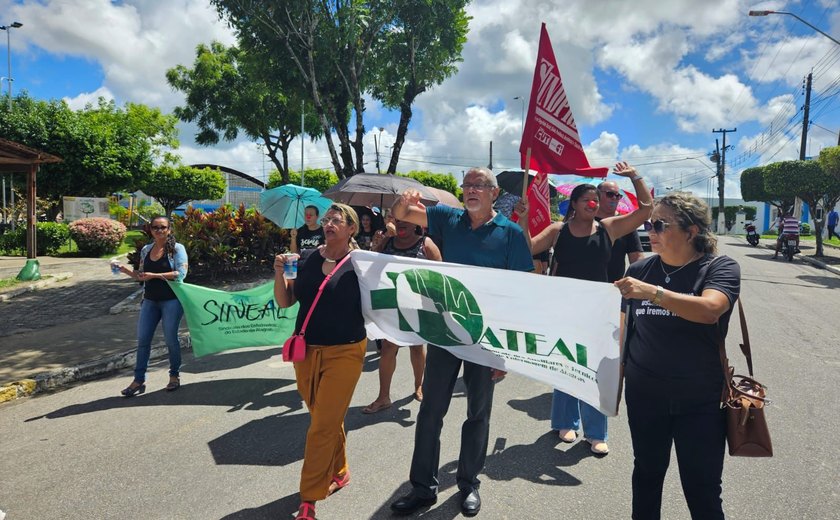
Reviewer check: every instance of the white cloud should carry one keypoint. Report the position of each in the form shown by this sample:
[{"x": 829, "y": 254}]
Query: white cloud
[
  {"x": 134, "y": 42},
  {"x": 89, "y": 98}
]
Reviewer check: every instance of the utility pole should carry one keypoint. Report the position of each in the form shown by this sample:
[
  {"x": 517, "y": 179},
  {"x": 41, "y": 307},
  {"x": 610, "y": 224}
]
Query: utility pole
[
  {"x": 376, "y": 145},
  {"x": 805, "y": 113},
  {"x": 721, "y": 173},
  {"x": 490, "y": 166}
]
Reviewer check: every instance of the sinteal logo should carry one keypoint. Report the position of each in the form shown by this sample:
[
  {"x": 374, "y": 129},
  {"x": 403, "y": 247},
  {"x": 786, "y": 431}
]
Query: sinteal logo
[{"x": 436, "y": 307}]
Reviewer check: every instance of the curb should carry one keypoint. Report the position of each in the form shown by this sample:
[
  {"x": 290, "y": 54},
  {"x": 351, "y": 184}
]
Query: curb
[
  {"x": 126, "y": 302},
  {"x": 89, "y": 370},
  {"x": 40, "y": 284},
  {"x": 809, "y": 260}
]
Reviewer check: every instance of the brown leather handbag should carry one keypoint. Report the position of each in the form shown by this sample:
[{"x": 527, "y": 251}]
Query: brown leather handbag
[{"x": 744, "y": 399}]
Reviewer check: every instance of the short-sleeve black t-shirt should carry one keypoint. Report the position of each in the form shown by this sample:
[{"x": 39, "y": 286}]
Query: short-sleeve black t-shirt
[
  {"x": 674, "y": 350},
  {"x": 308, "y": 239},
  {"x": 337, "y": 318}
]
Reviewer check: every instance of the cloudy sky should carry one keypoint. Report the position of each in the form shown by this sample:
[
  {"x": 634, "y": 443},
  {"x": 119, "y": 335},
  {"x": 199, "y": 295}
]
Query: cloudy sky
[{"x": 647, "y": 80}]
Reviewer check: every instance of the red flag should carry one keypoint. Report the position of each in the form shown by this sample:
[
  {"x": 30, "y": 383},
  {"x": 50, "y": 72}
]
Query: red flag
[
  {"x": 550, "y": 129},
  {"x": 539, "y": 214}
]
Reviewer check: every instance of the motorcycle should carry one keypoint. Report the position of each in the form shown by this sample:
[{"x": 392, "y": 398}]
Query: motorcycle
[
  {"x": 752, "y": 234},
  {"x": 789, "y": 247}
]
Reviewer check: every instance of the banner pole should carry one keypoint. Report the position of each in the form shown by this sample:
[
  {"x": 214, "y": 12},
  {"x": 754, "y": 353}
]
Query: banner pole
[{"x": 526, "y": 172}]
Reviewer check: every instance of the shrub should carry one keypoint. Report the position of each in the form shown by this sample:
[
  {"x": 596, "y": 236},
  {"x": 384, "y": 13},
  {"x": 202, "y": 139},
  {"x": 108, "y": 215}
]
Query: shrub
[
  {"x": 804, "y": 229},
  {"x": 49, "y": 237},
  {"x": 97, "y": 236},
  {"x": 224, "y": 241}
]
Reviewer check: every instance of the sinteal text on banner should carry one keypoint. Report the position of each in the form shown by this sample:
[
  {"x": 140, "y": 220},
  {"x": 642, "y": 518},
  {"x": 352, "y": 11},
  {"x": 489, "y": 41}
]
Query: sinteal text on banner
[{"x": 222, "y": 320}]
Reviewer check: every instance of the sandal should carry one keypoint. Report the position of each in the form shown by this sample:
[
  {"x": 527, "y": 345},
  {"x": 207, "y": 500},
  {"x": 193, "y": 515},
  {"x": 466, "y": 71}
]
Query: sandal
[
  {"x": 375, "y": 407},
  {"x": 598, "y": 447},
  {"x": 567, "y": 436},
  {"x": 306, "y": 511},
  {"x": 173, "y": 385},
  {"x": 338, "y": 482},
  {"x": 133, "y": 389}
]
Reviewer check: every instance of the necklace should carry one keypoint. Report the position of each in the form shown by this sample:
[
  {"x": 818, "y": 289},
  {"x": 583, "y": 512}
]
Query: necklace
[
  {"x": 667, "y": 274},
  {"x": 332, "y": 260}
]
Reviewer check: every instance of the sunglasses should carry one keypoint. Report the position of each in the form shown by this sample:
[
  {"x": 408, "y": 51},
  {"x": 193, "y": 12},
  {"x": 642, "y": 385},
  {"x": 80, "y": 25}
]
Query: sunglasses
[
  {"x": 612, "y": 195},
  {"x": 658, "y": 226},
  {"x": 159, "y": 228}
]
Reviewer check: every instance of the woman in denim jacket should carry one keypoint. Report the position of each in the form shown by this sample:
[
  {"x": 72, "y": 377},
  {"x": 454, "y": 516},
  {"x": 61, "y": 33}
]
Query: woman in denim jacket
[{"x": 162, "y": 260}]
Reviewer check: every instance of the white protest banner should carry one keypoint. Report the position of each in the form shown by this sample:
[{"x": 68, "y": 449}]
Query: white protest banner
[{"x": 559, "y": 331}]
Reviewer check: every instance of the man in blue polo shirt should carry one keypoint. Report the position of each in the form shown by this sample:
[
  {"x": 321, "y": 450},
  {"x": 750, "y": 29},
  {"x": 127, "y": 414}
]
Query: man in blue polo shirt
[{"x": 476, "y": 235}]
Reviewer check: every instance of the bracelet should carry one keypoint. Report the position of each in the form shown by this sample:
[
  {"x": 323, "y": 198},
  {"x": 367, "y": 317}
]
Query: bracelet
[
  {"x": 660, "y": 292},
  {"x": 636, "y": 178},
  {"x": 644, "y": 204}
]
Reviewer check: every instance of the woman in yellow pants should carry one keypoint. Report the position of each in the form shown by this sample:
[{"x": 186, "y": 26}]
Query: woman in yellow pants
[{"x": 336, "y": 342}]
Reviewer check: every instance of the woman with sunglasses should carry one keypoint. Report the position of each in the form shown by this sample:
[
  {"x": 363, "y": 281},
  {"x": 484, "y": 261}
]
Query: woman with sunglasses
[
  {"x": 161, "y": 261},
  {"x": 582, "y": 250},
  {"x": 336, "y": 341},
  {"x": 678, "y": 302}
]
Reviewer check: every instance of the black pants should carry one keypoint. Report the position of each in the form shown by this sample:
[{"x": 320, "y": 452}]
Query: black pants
[
  {"x": 832, "y": 230},
  {"x": 699, "y": 438},
  {"x": 439, "y": 381}
]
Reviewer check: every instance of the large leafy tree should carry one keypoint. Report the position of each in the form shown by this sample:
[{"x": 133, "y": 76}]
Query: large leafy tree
[
  {"x": 752, "y": 189},
  {"x": 104, "y": 148},
  {"x": 229, "y": 90},
  {"x": 806, "y": 180},
  {"x": 329, "y": 43},
  {"x": 173, "y": 185},
  {"x": 419, "y": 50}
]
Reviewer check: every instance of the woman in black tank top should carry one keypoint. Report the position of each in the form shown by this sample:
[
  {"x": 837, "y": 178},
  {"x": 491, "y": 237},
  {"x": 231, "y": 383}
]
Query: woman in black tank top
[
  {"x": 408, "y": 241},
  {"x": 582, "y": 248}
]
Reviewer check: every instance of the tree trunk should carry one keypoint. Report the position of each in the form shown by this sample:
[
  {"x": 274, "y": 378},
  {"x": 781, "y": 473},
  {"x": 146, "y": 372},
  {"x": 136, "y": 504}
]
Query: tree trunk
[{"x": 411, "y": 94}]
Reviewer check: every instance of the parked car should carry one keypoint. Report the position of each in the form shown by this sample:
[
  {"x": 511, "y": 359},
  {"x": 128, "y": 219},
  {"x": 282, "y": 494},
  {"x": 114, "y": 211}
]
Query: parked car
[{"x": 644, "y": 237}]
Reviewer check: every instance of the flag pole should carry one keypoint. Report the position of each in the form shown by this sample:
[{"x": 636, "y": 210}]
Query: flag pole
[{"x": 526, "y": 173}]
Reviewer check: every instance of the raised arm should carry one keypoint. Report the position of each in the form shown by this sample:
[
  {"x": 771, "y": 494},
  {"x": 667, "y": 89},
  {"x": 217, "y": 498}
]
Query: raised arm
[
  {"x": 621, "y": 225},
  {"x": 409, "y": 208},
  {"x": 545, "y": 239}
]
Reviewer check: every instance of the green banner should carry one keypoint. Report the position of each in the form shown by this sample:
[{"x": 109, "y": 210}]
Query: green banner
[{"x": 221, "y": 320}]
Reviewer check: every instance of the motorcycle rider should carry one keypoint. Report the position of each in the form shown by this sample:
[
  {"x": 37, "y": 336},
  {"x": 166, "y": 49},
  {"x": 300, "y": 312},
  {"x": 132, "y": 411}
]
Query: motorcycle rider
[{"x": 788, "y": 227}]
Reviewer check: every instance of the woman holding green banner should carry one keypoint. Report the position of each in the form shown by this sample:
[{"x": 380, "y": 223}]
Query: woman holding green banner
[
  {"x": 162, "y": 260},
  {"x": 336, "y": 341}
]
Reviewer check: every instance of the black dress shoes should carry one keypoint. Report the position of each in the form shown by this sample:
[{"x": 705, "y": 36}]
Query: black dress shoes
[
  {"x": 411, "y": 503},
  {"x": 471, "y": 502}
]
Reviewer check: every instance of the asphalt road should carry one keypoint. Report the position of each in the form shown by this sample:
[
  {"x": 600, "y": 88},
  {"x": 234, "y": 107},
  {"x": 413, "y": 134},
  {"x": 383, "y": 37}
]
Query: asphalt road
[{"x": 229, "y": 444}]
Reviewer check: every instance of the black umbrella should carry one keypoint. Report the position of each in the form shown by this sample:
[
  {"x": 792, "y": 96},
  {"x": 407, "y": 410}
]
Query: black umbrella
[
  {"x": 373, "y": 189},
  {"x": 511, "y": 182}
]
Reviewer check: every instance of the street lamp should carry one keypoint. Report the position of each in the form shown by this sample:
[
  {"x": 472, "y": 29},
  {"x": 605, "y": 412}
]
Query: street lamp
[
  {"x": 8, "y": 29},
  {"x": 522, "y": 117},
  {"x": 765, "y": 13}
]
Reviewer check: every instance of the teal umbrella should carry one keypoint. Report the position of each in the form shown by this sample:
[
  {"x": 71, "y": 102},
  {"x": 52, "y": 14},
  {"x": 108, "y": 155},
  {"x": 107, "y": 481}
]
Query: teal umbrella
[{"x": 285, "y": 204}]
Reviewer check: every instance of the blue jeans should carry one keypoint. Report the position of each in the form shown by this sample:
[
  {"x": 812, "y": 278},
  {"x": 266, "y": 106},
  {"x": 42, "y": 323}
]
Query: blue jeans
[
  {"x": 566, "y": 414},
  {"x": 151, "y": 313}
]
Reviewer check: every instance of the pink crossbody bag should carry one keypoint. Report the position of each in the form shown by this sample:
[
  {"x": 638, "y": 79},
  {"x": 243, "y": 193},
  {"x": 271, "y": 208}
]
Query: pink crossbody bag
[{"x": 294, "y": 349}]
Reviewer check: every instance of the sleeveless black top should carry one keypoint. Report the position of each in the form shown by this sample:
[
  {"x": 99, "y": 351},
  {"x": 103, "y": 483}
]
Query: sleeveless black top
[
  {"x": 584, "y": 258},
  {"x": 418, "y": 250}
]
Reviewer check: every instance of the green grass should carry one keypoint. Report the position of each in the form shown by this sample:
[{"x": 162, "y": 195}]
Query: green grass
[
  {"x": 71, "y": 250},
  {"x": 8, "y": 282}
]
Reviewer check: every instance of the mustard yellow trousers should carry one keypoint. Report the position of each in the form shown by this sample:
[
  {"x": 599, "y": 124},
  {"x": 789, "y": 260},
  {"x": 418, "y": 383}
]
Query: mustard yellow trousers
[{"x": 326, "y": 380}]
